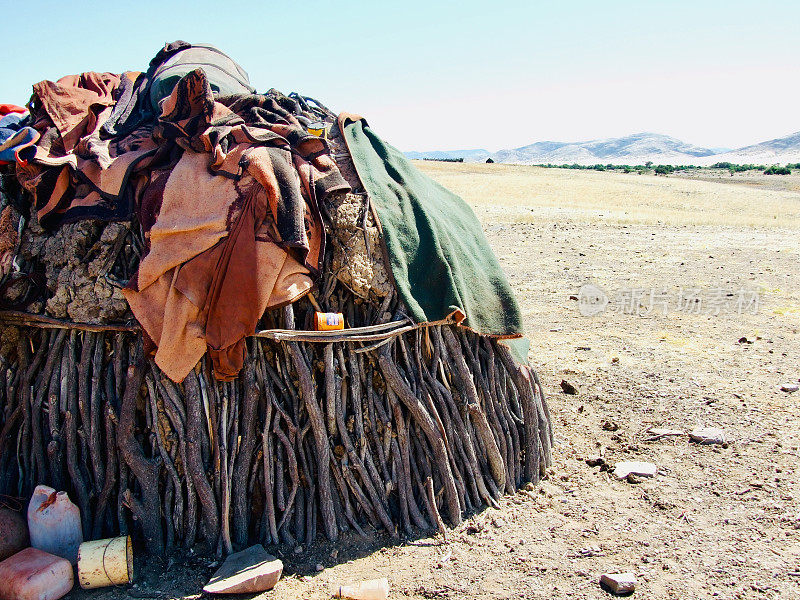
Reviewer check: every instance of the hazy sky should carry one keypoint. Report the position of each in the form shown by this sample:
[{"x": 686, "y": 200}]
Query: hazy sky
[{"x": 455, "y": 75}]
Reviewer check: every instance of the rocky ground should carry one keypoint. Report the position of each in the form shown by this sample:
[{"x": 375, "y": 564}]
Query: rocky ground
[{"x": 700, "y": 328}]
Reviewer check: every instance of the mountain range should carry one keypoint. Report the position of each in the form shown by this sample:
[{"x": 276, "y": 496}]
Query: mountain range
[{"x": 636, "y": 149}]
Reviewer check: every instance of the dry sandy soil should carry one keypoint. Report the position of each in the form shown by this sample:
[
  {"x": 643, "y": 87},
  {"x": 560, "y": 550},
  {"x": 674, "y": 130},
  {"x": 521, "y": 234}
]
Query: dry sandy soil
[{"x": 716, "y": 521}]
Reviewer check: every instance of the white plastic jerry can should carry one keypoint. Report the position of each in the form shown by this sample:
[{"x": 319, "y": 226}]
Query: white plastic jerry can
[{"x": 54, "y": 523}]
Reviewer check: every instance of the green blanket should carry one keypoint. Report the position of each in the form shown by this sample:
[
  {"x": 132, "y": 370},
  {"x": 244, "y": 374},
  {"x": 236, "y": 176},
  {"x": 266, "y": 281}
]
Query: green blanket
[{"x": 440, "y": 259}]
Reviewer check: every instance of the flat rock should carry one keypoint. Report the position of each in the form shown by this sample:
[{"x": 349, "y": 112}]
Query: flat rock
[
  {"x": 707, "y": 435},
  {"x": 568, "y": 388},
  {"x": 246, "y": 572},
  {"x": 634, "y": 467},
  {"x": 790, "y": 387},
  {"x": 619, "y": 583}
]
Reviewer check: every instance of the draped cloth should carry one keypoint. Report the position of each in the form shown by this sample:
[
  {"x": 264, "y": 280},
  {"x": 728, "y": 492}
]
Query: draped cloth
[
  {"x": 442, "y": 264},
  {"x": 233, "y": 227},
  {"x": 70, "y": 170},
  {"x": 225, "y": 189}
]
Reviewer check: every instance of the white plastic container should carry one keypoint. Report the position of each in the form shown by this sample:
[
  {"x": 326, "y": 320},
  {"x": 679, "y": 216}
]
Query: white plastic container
[
  {"x": 373, "y": 589},
  {"x": 54, "y": 523}
]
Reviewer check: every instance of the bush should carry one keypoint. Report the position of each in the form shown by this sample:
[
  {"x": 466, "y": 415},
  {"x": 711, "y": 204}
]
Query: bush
[
  {"x": 734, "y": 168},
  {"x": 664, "y": 169},
  {"x": 776, "y": 170}
]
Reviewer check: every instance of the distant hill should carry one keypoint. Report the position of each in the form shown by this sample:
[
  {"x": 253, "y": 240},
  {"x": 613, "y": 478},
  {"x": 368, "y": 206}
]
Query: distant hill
[
  {"x": 780, "y": 150},
  {"x": 636, "y": 149},
  {"x": 632, "y": 149}
]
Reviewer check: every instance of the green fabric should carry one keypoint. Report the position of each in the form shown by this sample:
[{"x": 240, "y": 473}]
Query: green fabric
[
  {"x": 519, "y": 348},
  {"x": 440, "y": 259}
]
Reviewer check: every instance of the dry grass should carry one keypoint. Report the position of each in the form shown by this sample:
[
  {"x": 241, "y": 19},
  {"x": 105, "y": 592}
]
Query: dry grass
[{"x": 513, "y": 193}]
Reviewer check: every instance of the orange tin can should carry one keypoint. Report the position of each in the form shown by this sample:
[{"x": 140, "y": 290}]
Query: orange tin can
[{"x": 328, "y": 321}]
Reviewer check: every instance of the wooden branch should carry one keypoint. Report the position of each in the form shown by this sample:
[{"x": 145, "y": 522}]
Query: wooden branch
[
  {"x": 425, "y": 421},
  {"x": 194, "y": 428},
  {"x": 241, "y": 467},
  {"x": 320, "y": 437},
  {"x": 145, "y": 470}
]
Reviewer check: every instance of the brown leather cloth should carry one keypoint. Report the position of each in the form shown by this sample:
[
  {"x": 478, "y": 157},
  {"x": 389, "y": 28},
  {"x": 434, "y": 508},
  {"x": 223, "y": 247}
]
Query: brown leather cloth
[
  {"x": 70, "y": 170},
  {"x": 233, "y": 228},
  {"x": 70, "y": 100}
]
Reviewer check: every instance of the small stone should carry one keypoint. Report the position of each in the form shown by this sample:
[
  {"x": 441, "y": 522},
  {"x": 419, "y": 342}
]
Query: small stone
[
  {"x": 790, "y": 387},
  {"x": 549, "y": 490},
  {"x": 618, "y": 583},
  {"x": 707, "y": 435},
  {"x": 634, "y": 467},
  {"x": 610, "y": 426},
  {"x": 589, "y": 552},
  {"x": 319, "y": 567},
  {"x": 249, "y": 571},
  {"x": 499, "y": 523},
  {"x": 657, "y": 433},
  {"x": 568, "y": 388}
]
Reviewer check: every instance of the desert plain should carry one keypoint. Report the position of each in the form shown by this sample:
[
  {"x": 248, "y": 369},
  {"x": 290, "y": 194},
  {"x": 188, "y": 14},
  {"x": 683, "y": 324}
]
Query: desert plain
[{"x": 699, "y": 280}]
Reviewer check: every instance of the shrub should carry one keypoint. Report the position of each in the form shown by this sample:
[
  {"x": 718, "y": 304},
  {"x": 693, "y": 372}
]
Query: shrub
[
  {"x": 664, "y": 169},
  {"x": 776, "y": 170}
]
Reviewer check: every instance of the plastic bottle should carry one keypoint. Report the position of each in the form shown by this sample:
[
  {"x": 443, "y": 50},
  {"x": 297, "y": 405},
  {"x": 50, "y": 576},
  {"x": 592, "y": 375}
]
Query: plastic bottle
[
  {"x": 328, "y": 321},
  {"x": 54, "y": 523},
  {"x": 373, "y": 589},
  {"x": 35, "y": 575}
]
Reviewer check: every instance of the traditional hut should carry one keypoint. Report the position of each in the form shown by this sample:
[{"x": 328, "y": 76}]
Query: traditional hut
[{"x": 171, "y": 245}]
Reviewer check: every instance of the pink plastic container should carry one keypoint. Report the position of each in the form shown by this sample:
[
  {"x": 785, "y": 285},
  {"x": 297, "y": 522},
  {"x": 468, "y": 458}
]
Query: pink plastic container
[
  {"x": 35, "y": 575},
  {"x": 54, "y": 523}
]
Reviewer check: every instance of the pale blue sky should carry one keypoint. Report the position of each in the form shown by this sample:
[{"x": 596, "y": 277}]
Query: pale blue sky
[{"x": 468, "y": 74}]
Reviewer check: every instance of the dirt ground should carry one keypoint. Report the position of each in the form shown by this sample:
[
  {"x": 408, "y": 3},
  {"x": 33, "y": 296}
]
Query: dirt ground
[{"x": 700, "y": 329}]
